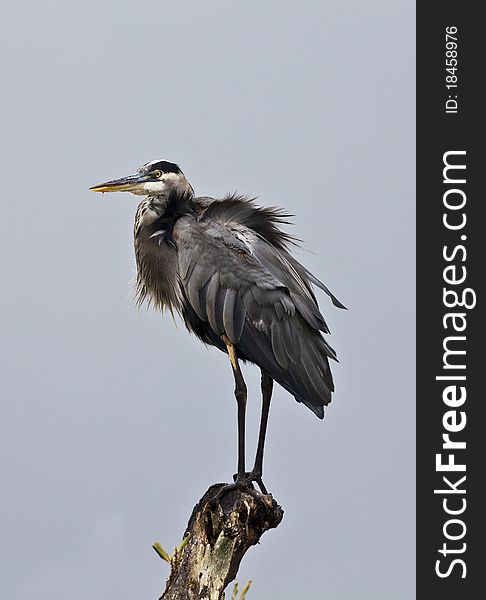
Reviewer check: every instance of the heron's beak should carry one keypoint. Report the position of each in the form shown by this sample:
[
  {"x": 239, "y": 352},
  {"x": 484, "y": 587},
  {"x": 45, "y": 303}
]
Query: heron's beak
[{"x": 132, "y": 183}]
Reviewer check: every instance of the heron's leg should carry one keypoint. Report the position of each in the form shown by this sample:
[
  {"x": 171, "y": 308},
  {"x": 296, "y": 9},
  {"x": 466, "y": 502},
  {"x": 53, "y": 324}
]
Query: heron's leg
[
  {"x": 267, "y": 388},
  {"x": 241, "y": 396}
]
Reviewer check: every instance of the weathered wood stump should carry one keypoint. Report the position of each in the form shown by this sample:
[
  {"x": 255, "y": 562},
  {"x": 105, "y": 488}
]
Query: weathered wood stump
[{"x": 220, "y": 533}]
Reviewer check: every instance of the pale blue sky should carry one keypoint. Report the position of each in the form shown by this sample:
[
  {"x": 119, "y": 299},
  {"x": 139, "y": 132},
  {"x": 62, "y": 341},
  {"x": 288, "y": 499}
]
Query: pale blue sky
[{"x": 114, "y": 422}]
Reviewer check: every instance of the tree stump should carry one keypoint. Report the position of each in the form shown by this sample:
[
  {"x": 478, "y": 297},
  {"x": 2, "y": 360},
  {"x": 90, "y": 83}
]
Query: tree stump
[{"x": 219, "y": 534}]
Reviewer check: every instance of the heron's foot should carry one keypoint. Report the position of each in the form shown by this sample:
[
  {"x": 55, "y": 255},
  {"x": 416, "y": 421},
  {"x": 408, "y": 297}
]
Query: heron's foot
[
  {"x": 242, "y": 486},
  {"x": 253, "y": 476}
]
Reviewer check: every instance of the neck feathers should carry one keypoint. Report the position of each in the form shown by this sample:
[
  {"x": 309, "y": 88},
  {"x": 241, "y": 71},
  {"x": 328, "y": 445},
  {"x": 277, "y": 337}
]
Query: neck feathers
[{"x": 155, "y": 252}]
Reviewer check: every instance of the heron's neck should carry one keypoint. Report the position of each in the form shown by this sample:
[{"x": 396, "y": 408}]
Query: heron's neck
[
  {"x": 166, "y": 207},
  {"x": 178, "y": 187},
  {"x": 156, "y": 257}
]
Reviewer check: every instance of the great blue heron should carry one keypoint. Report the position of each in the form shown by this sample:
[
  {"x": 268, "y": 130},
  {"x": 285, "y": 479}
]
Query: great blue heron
[{"x": 224, "y": 266}]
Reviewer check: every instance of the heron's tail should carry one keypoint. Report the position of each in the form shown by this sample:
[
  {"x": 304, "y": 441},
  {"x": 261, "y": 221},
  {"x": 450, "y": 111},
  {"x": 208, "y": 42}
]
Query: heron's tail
[{"x": 305, "y": 371}]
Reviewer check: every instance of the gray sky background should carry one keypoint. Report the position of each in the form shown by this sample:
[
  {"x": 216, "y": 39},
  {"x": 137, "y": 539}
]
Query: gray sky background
[{"x": 113, "y": 422}]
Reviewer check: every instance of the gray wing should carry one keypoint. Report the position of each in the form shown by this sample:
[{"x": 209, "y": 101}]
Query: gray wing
[{"x": 261, "y": 299}]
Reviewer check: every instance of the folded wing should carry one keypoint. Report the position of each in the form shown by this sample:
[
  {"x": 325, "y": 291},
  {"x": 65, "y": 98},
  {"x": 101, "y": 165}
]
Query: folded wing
[{"x": 254, "y": 292}]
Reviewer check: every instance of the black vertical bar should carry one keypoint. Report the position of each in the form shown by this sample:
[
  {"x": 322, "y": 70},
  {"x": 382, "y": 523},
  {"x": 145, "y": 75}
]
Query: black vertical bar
[{"x": 450, "y": 270}]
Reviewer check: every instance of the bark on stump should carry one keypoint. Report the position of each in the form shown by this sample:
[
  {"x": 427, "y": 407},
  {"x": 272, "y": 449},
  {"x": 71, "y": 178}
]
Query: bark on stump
[{"x": 220, "y": 533}]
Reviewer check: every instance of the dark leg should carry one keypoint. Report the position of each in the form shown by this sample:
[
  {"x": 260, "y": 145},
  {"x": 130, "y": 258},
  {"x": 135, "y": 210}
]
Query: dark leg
[
  {"x": 267, "y": 387},
  {"x": 240, "y": 395}
]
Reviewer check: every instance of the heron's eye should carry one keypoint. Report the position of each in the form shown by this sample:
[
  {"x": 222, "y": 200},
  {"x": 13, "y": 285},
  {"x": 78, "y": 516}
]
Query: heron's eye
[{"x": 157, "y": 174}]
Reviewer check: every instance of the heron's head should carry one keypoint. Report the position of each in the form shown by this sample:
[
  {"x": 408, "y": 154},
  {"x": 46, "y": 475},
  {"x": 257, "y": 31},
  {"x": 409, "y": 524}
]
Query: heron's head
[{"x": 156, "y": 178}]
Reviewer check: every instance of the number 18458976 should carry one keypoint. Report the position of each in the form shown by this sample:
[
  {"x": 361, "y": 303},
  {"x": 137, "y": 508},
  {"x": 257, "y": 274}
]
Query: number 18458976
[{"x": 451, "y": 69}]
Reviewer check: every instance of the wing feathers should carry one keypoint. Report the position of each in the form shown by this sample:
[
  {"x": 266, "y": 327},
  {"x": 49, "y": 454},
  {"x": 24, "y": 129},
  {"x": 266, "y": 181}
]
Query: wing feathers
[
  {"x": 292, "y": 342},
  {"x": 278, "y": 345},
  {"x": 239, "y": 317},
  {"x": 214, "y": 305},
  {"x": 195, "y": 282},
  {"x": 257, "y": 295},
  {"x": 228, "y": 312}
]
